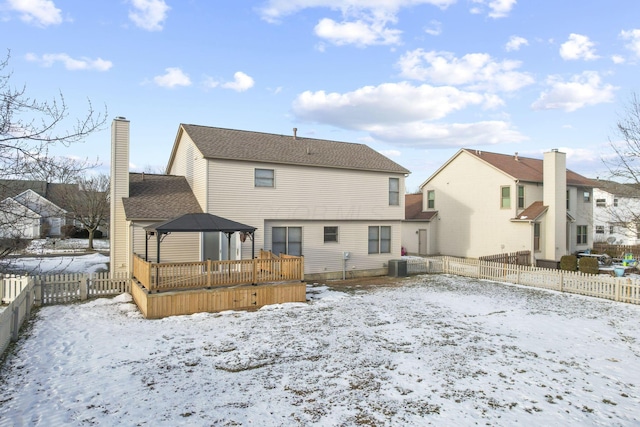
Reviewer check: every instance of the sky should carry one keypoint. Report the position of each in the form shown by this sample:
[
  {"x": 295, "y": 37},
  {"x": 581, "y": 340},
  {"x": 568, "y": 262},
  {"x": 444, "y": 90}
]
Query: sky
[
  {"x": 438, "y": 350},
  {"x": 414, "y": 79}
]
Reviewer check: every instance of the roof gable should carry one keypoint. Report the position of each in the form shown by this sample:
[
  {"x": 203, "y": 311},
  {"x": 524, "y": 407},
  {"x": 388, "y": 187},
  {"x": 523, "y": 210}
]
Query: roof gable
[
  {"x": 232, "y": 144},
  {"x": 36, "y": 202},
  {"x": 524, "y": 169}
]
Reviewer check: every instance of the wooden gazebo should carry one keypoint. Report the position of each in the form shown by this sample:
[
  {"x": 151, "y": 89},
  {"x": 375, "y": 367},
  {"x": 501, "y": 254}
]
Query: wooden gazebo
[{"x": 198, "y": 222}]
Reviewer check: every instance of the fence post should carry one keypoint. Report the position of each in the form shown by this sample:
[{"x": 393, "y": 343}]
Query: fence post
[
  {"x": 37, "y": 288},
  {"x": 15, "y": 322},
  {"x": 617, "y": 289},
  {"x": 84, "y": 286},
  {"x": 561, "y": 281}
]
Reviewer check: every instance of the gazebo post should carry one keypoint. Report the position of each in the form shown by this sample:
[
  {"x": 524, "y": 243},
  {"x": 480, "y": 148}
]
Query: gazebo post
[{"x": 158, "y": 248}]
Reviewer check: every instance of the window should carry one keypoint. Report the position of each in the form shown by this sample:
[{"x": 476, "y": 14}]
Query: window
[
  {"x": 330, "y": 234},
  {"x": 611, "y": 229},
  {"x": 263, "y": 178},
  {"x": 581, "y": 233},
  {"x": 505, "y": 197},
  {"x": 379, "y": 240},
  {"x": 568, "y": 198},
  {"x": 599, "y": 229},
  {"x": 394, "y": 192},
  {"x": 536, "y": 236},
  {"x": 586, "y": 196},
  {"x": 615, "y": 202},
  {"x": 286, "y": 240},
  {"x": 431, "y": 199},
  {"x": 520, "y": 196},
  {"x": 601, "y": 203}
]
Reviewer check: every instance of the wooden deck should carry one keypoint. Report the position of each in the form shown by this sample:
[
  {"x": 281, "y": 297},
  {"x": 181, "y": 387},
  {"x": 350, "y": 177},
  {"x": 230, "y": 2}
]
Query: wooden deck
[{"x": 169, "y": 289}]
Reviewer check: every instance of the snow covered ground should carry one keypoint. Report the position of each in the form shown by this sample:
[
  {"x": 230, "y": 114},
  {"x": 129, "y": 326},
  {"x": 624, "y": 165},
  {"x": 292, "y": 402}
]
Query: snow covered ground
[
  {"x": 440, "y": 350},
  {"x": 55, "y": 256}
]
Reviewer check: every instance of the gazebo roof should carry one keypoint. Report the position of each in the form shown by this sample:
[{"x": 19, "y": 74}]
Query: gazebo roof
[{"x": 199, "y": 222}]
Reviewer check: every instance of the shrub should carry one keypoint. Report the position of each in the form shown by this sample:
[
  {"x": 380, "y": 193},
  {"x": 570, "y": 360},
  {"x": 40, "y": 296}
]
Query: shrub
[
  {"x": 589, "y": 265},
  {"x": 68, "y": 230},
  {"x": 569, "y": 263}
]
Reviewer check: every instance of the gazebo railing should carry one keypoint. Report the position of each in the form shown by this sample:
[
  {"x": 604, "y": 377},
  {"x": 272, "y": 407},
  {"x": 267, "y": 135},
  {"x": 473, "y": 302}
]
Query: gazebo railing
[{"x": 157, "y": 277}]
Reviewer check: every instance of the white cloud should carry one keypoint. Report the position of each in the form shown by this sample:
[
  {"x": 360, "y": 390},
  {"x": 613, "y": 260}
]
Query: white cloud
[
  {"x": 582, "y": 90},
  {"x": 387, "y": 103},
  {"x": 477, "y": 71},
  {"x": 359, "y": 33},
  {"x": 38, "y": 12},
  {"x": 172, "y": 78},
  {"x": 578, "y": 47},
  {"x": 390, "y": 153},
  {"x": 618, "y": 59},
  {"x": 84, "y": 63},
  {"x": 275, "y": 10},
  {"x": 515, "y": 43},
  {"x": 431, "y": 135},
  {"x": 434, "y": 28},
  {"x": 149, "y": 14},
  {"x": 241, "y": 82},
  {"x": 633, "y": 36},
  {"x": 364, "y": 22},
  {"x": 498, "y": 8}
]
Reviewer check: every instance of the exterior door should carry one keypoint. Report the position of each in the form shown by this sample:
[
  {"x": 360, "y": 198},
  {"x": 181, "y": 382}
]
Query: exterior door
[
  {"x": 215, "y": 246},
  {"x": 422, "y": 242}
]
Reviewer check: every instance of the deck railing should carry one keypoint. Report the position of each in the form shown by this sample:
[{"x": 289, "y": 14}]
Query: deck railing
[{"x": 205, "y": 274}]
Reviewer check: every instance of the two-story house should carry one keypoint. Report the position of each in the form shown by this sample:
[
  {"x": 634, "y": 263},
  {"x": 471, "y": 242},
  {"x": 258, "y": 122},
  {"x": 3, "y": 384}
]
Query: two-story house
[
  {"x": 340, "y": 205},
  {"x": 616, "y": 213},
  {"x": 489, "y": 203}
]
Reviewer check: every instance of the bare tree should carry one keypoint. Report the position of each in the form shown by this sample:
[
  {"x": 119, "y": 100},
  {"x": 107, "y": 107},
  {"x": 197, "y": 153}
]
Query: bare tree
[
  {"x": 64, "y": 170},
  {"x": 624, "y": 170},
  {"x": 29, "y": 128},
  {"x": 88, "y": 204}
]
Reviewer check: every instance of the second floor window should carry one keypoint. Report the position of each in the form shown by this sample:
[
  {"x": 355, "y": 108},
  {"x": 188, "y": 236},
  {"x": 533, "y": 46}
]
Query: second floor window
[
  {"x": 601, "y": 203},
  {"x": 264, "y": 178},
  {"x": 505, "y": 197},
  {"x": 520, "y": 196},
  {"x": 586, "y": 196},
  {"x": 431, "y": 199},
  {"x": 394, "y": 191},
  {"x": 599, "y": 229}
]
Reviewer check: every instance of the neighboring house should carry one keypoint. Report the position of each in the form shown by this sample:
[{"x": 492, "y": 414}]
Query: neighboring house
[
  {"x": 616, "y": 213},
  {"x": 18, "y": 221},
  {"x": 418, "y": 226},
  {"x": 324, "y": 200},
  {"x": 488, "y": 203},
  {"x": 53, "y": 217}
]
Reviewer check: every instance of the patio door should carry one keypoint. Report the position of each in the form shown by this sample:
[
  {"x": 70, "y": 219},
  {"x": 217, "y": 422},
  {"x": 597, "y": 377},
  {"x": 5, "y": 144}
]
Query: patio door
[
  {"x": 422, "y": 242},
  {"x": 215, "y": 246}
]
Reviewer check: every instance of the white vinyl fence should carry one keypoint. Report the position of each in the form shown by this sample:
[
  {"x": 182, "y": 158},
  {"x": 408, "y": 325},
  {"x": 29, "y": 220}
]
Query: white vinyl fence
[
  {"x": 23, "y": 292},
  {"x": 623, "y": 289}
]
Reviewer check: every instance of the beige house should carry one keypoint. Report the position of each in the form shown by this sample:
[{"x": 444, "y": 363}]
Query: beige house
[
  {"x": 487, "y": 203},
  {"x": 340, "y": 205}
]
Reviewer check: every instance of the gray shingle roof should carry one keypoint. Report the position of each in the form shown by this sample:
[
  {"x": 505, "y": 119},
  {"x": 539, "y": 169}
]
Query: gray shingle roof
[
  {"x": 159, "y": 197},
  {"x": 232, "y": 144},
  {"x": 619, "y": 189}
]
